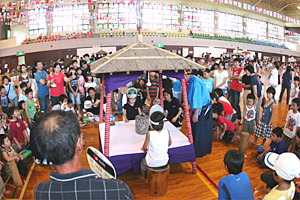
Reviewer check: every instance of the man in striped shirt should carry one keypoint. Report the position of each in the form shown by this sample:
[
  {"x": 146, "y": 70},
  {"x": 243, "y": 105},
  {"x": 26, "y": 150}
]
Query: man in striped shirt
[
  {"x": 59, "y": 140},
  {"x": 153, "y": 90}
]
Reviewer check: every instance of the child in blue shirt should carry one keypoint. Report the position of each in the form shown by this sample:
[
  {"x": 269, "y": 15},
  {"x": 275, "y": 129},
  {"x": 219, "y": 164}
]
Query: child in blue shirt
[
  {"x": 208, "y": 81},
  {"x": 5, "y": 102},
  {"x": 277, "y": 146},
  {"x": 237, "y": 185},
  {"x": 10, "y": 90},
  {"x": 177, "y": 89}
]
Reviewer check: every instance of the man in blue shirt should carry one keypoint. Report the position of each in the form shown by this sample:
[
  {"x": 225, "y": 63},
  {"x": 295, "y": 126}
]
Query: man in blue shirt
[
  {"x": 255, "y": 89},
  {"x": 237, "y": 185},
  {"x": 43, "y": 90},
  {"x": 202, "y": 120}
]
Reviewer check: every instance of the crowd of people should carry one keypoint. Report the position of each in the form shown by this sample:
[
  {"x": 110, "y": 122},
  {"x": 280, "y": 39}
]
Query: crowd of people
[{"x": 72, "y": 87}]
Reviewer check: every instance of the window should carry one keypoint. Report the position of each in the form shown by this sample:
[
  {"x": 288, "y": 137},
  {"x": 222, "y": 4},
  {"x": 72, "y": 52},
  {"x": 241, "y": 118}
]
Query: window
[
  {"x": 229, "y": 24},
  {"x": 37, "y": 22},
  {"x": 116, "y": 16},
  {"x": 256, "y": 29},
  {"x": 159, "y": 16},
  {"x": 198, "y": 19},
  {"x": 71, "y": 18},
  {"x": 276, "y": 33}
]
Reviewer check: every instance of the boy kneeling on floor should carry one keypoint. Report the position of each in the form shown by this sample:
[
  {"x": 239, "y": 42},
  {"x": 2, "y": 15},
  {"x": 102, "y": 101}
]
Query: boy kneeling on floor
[
  {"x": 225, "y": 126},
  {"x": 156, "y": 144}
]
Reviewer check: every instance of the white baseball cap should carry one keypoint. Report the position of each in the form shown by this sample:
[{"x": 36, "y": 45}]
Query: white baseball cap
[
  {"x": 155, "y": 108},
  {"x": 286, "y": 165}
]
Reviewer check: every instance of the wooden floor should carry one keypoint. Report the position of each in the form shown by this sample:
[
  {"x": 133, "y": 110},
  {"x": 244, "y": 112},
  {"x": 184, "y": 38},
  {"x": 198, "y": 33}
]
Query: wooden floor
[{"x": 182, "y": 183}]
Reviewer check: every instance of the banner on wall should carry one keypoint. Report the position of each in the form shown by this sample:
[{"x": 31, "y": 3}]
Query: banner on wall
[{"x": 21, "y": 6}]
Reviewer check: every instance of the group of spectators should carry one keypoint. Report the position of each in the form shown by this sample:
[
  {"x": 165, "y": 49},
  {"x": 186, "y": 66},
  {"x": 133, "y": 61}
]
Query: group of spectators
[{"x": 219, "y": 86}]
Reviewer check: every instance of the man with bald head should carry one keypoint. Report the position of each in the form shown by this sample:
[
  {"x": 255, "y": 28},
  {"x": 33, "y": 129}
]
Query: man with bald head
[{"x": 59, "y": 140}]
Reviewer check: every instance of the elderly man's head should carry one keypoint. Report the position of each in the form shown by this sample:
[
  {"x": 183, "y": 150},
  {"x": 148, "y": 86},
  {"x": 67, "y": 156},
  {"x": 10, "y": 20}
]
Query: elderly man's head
[{"x": 57, "y": 135}]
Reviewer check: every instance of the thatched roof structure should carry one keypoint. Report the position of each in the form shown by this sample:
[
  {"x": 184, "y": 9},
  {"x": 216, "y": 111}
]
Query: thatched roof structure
[
  {"x": 142, "y": 57},
  {"x": 101, "y": 52},
  {"x": 237, "y": 54}
]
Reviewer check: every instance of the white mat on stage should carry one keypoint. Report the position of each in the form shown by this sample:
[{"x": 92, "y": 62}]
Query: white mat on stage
[{"x": 124, "y": 139}]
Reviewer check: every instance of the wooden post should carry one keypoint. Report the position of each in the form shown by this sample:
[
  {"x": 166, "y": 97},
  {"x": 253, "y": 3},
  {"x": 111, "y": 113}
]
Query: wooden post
[
  {"x": 107, "y": 124},
  {"x": 161, "y": 94},
  {"x": 244, "y": 142},
  {"x": 102, "y": 99},
  {"x": 187, "y": 118}
]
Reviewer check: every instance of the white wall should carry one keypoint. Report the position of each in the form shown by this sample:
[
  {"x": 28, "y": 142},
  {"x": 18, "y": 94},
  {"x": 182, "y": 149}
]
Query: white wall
[
  {"x": 95, "y": 49},
  {"x": 17, "y": 30},
  {"x": 215, "y": 52},
  {"x": 9, "y": 43},
  {"x": 291, "y": 46}
]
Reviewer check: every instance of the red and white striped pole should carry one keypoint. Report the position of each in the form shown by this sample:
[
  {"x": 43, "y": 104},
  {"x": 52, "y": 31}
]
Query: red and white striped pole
[
  {"x": 161, "y": 94},
  {"x": 102, "y": 99},
  {"x": 187, "y": 118},
  {"x": 107, "y": 124}
]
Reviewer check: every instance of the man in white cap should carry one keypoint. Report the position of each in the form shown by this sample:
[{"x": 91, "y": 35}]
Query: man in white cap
[{"x": 286, "y": 167}]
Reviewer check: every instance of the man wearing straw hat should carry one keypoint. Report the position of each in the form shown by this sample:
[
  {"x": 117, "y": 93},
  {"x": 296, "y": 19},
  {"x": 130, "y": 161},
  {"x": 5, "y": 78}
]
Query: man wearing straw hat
[{"x": 201, "y": 118}]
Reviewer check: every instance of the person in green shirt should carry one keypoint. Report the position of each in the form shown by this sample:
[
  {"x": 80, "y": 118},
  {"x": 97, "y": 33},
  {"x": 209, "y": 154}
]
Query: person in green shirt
[
  {"x": 29, "y": 106},
  {"x": 86, "y": 57}
]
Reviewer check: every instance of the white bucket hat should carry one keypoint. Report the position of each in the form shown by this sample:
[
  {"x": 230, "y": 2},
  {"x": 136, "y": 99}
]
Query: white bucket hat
[{"x": 286, "y": 165}]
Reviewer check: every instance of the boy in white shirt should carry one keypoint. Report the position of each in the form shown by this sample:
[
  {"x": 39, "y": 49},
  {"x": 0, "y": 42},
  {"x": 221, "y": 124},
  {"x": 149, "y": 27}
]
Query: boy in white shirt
[
  {"x": 250, "y": 113},
  {"x": 294, "y": 91},
  {"x": 293, "y": 122},
  {"x": 156, "y": 144}
]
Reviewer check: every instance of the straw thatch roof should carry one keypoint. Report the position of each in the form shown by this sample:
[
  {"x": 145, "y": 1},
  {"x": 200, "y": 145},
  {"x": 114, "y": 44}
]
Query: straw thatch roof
[
  {"x": 101, "y": 52},
  {"x": 237, "y": 54},
  {"x": 142, "y": 57}
]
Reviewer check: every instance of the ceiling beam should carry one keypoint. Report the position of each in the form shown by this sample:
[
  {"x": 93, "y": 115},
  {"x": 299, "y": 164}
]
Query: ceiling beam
[
  {"x": 257, "y": 2},
  {"x": 289, "y": 4}
]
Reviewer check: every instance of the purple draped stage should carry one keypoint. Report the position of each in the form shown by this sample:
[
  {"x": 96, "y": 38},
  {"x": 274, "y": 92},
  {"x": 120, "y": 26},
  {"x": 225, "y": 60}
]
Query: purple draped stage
[
  {"x": 117, "y": 80},
  {"x": 124, "y": 163}
]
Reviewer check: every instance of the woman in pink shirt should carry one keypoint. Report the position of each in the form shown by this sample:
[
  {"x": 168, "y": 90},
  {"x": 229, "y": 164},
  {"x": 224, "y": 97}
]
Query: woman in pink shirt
[
  {"x": 56, "y": 83},
  {"x": 81, "y": 87}
]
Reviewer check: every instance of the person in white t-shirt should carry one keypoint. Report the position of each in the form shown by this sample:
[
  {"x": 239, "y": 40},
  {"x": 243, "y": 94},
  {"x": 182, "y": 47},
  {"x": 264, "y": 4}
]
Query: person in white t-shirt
[
  {"x": 274, "y": 75},
  {"x": 156, "y": 144},
  {"x": 294, "y": 90},
  {"x": 292, "y": 125},
  {"x": 221, "y": 76},
  {"x": 89, "y": 83}
]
